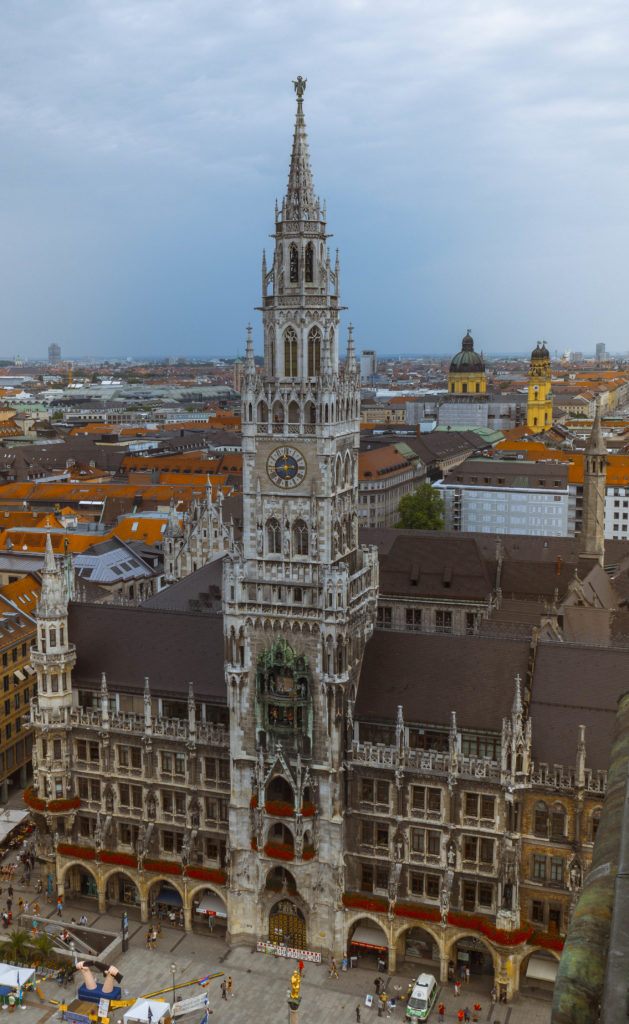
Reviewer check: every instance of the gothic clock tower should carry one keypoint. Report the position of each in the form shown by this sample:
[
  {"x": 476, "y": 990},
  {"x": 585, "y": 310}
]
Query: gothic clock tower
[{"x": 300, "y": 594}]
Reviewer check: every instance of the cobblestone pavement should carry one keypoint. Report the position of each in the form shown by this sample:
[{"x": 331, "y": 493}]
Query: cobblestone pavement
[{"x": 260, "y": 982}]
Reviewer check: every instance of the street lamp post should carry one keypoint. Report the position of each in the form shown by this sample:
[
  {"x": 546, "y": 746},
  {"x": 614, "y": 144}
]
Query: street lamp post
[{"x": 173, "y": 971}]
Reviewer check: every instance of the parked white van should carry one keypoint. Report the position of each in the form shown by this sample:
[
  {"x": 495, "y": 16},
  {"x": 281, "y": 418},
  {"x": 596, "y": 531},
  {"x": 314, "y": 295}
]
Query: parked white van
[{"x": 421, "y": 999}]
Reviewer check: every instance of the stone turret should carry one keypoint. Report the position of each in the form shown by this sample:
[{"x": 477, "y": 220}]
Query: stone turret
[
  {"x": 592, "y": 548},
  {"x": 55, "y": 656}
]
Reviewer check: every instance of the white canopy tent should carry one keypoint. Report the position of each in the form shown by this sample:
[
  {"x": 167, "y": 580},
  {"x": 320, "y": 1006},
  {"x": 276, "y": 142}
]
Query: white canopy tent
[
  {"x": 10, "y": 819},
  {"x": 540, "y": 968},
  {"x": 14, "y": 977},
  {"x": 147, "y": 1010},
  {"x": 212, "y": 905}
]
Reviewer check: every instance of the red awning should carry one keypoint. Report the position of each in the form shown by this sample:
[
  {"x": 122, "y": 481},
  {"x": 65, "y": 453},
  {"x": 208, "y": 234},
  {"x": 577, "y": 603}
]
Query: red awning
[{"x": 368, "y": 938}]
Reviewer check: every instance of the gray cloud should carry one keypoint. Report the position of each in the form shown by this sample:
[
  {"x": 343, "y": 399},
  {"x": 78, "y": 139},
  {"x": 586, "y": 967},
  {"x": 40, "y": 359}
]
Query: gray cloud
[{"x": 473, "y": 154}]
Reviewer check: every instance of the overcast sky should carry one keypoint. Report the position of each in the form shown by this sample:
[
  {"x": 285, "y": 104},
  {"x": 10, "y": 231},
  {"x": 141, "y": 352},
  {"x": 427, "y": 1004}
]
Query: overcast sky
[{"x": 474, "y": 158}]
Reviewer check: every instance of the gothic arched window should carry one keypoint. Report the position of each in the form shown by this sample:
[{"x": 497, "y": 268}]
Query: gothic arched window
[
  {"x": 290, "y": 352},
  {"x": 309, "y": 262},
  {"x": 540, "y": 819},
  {"x": 314, "y": 352},
  {"x": 300, "y": 537},
  {"x": 273, "y": 537},
  {"x": 293, "y": 263},
  {"x": 558, "y": 821}
]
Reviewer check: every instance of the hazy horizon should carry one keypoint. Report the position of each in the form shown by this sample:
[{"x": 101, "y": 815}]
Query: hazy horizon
[{"x": 473, "y": 157}]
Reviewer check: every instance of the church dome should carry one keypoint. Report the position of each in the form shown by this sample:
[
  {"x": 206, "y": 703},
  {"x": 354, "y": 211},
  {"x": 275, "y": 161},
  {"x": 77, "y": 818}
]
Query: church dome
[
  {"x": 540, "y": 352},
  {"x": 467, "y": 360}
]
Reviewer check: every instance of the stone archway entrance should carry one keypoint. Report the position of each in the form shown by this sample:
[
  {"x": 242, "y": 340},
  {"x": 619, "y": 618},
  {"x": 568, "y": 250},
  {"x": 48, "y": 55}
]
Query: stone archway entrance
[{"x": 287, "y": 925}]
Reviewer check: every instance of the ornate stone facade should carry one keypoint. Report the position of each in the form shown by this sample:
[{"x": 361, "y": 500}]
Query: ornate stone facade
[
  {"x": 304, "y": 805},
  {"x": 201, "y": 536}
]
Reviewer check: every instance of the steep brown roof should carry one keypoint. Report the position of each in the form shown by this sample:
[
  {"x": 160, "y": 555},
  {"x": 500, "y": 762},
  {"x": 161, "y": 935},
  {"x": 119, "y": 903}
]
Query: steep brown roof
[
  {"x": 432, "y": 675},
  {"x": 171, "y": 648},
  {"x": 423, "y": 563}
]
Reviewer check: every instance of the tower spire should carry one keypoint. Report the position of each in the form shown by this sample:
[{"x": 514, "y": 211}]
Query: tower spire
[
  {"x": 300, "y": 199},
  {"x": 594, "y": 482}
]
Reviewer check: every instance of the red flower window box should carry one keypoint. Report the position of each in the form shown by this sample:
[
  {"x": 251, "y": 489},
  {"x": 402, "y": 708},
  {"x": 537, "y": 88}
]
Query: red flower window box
[
  {"x": 308, "y": 853},
  {"x": 279, "y": 808},
  {"x": 280, "y": 851},
  {"x": 376, "y": 904},
  {"x": 69, "y": 850},
  {"x": 55, "y": 806},
  {"x": 123, "y": 859},
  {"x": 163, "y": 867},
  {"x": 207, "y": 875},
  {"x": 308, "y": 809}
]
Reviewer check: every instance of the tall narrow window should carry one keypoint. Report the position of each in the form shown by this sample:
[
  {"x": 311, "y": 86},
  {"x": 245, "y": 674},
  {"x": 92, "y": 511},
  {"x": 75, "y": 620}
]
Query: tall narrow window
[
  {"x": 309, "y": 262},
  {"x": 273, "y": 537},
  {"x": 290, "y": 352},
  {"x": 314, "y": 352},
  {"x": 300, "y": 537},
  {"x": 293, "y": 263}
]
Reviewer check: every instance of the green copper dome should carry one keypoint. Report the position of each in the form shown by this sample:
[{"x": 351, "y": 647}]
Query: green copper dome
[{"x": 467, "y": 360}]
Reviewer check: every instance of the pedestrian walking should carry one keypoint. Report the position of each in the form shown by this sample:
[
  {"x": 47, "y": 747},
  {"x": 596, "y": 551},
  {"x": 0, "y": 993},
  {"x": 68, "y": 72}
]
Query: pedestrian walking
[
  {"x": 230, "y": 986},
  {"x": 376, "y": 985},
  {"x": 442, "y": 1013},
  {"x": 457, "y": 987},
  {"x": 59, "y": 908},
  {"x": 333, "y": 970},
  {"x": 466, "y": 1014},
  {"x": 460, "y": 1016},
  {"x": 493, "y": 994},
  {"x": 477, "y": 1010},
  {"x": 358, "y": 1013},
  {"x": 301, "y": 967},
  {"x": 467, "y": 975},
  {"x": 148, "y": 939},
  {"x": 224, "y": 989}
]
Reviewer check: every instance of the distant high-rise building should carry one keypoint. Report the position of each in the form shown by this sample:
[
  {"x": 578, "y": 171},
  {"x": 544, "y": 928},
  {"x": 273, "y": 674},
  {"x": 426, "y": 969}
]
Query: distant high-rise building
[
  {"x": 54, "y": 353},
  {"x": 601, "y": 354},
  {"x": 368, "y": 366}
]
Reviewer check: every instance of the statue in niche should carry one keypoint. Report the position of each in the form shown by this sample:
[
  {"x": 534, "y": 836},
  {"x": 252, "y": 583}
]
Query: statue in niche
[
  {"x": 575, "y": 875},
  {"x": 150, "y": 806},
  {"x": 451, "y": 854}
]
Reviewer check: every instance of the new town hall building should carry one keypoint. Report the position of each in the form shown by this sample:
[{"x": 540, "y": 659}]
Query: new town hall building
[{"x": 244, "y": 743}]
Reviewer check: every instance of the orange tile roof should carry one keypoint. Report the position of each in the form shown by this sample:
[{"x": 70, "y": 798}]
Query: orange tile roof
[
  {"x": 381, "y": 462},
  {"x": 24, "y": 593}
]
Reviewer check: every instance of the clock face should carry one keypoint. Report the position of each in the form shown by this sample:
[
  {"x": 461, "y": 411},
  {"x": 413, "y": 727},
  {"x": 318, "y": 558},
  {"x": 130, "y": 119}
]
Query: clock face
[{"x": 286, "y": 467}]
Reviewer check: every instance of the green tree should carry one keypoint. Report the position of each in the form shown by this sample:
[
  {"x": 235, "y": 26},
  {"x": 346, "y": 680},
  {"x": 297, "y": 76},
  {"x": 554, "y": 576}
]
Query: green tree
[
  {"x": 423, "y": 509},
  {"x": 16, "y": 945},
  {"x": 44, "y": 945}
]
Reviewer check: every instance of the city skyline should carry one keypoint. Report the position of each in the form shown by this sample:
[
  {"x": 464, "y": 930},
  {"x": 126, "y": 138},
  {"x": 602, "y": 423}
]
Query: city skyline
[{"x": 476, "y": 153}]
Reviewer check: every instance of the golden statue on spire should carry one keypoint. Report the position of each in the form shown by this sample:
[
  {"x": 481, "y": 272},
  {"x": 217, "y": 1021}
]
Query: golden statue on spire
[{"x": 300, "y": 86}]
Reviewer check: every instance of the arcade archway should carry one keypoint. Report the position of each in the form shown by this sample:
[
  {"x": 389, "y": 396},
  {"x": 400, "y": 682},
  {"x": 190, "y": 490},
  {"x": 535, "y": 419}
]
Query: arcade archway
[
  {"x": 287, "y": 925},
  {"x": 120, "y": 888},
  {"x": 80, "y": 881}
]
